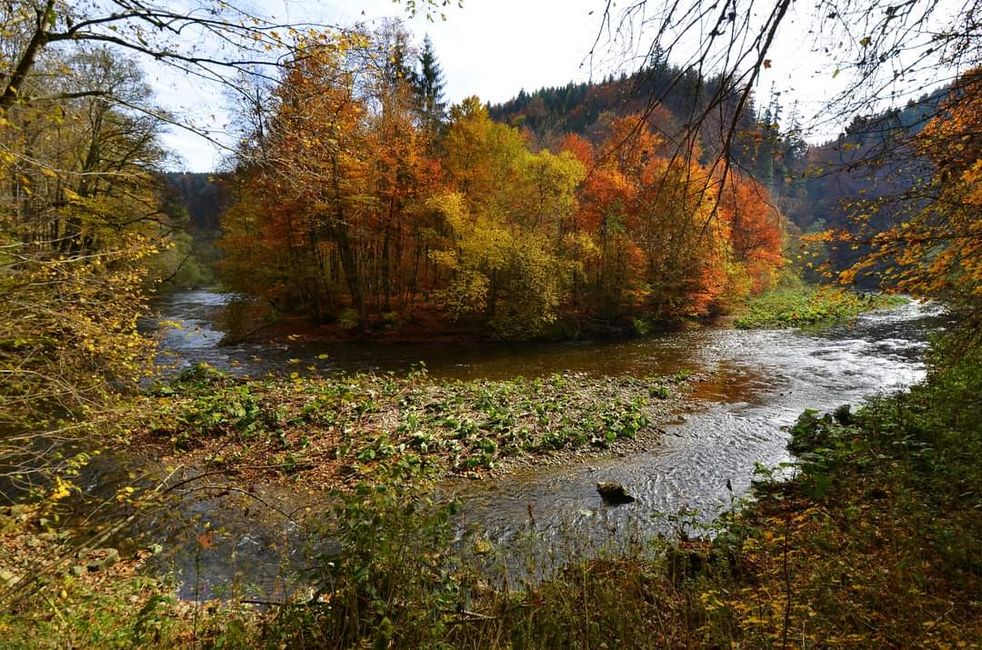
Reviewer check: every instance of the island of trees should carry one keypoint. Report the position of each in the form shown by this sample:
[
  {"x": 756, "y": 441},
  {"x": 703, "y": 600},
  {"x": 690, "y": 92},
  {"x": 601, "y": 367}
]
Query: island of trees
[{"x": 358, "y": 199}]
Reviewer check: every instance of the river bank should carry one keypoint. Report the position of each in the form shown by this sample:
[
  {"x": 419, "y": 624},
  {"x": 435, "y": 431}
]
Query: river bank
[
  {"x": 826, "y": 558},
  {"x": 744, "y": 388},
  {"x": 794, "y": 303},
  {"x": 534, "y": 506},
  {"x": 790, "y": 303}
]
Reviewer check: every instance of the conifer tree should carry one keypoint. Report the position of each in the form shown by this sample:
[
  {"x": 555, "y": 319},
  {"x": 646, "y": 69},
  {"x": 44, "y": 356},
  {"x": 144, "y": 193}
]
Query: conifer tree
[{"x": 429, "y": 84}]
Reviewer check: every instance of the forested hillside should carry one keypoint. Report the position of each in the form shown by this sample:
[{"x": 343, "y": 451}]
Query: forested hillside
[
  {"x": 202, "y": 195},
  {"x": 365, "y": 203},
  {"x": 817, "y": 187},
  {"x": 684, "y": 109}
]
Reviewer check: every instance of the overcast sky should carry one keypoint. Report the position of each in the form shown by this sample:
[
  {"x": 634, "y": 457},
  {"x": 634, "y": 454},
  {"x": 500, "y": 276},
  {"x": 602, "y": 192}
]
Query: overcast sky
[{"x": 493, "y": 49}]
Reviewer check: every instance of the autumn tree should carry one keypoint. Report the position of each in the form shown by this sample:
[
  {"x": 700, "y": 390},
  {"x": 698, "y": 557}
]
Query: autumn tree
[
  {"x": 509, "y": 220},
  {"x": 335, "y": 179},
  {"x": 756, "y": 226},
  {"x": 79, "y": 225},
  {"x": 933, "y": 245},
  {"x": 614, "y": 277},
  {"x": 669, "y": 242}
]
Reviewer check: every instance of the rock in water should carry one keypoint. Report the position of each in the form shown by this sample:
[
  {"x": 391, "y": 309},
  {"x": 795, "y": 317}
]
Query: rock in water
[{"x": 613, "y": 493}]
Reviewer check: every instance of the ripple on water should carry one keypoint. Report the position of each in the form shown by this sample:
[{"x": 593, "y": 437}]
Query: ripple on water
[
  {"x": 759, "y": 382},
  {"x": 690, "y": 468}
]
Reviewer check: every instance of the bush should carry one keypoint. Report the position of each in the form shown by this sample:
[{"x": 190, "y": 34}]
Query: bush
[{"x": 389, "y": 577}]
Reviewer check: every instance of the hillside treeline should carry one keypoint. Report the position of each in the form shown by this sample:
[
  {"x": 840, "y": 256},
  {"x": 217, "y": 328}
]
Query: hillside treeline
[{"x": 817, "y": 187}]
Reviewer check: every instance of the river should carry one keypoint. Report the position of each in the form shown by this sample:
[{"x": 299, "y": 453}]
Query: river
[{"x": 759, "y": 382}]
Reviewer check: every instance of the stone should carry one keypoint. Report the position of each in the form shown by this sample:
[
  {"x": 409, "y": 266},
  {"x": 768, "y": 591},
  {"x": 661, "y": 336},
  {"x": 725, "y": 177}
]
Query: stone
[
  {"x": 613, "y": 493},
  {"x": 8, "y": 578},
  {"x": 101, "y": 558}
]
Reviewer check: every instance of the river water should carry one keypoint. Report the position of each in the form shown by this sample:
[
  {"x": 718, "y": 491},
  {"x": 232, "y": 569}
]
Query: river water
[{"x": 758, "y": 383}]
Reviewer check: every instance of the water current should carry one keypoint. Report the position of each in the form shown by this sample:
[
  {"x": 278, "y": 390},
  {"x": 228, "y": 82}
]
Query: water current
[{"x": 759, "y": 382}]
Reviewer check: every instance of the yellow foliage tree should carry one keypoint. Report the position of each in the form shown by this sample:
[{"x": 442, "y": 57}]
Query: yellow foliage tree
[{"x": 79, "y": 223}]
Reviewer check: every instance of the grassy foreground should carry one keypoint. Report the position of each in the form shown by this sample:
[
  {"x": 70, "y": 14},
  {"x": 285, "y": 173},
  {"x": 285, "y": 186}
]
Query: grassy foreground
[{"x": 874, "y": 543}]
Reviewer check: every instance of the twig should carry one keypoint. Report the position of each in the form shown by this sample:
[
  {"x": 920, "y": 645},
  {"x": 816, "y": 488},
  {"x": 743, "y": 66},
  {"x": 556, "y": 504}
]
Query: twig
[{"x": 470, "y": 617}]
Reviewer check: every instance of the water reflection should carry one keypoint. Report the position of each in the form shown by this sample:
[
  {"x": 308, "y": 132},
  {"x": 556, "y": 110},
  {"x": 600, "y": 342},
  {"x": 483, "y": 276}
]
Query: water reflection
[{"x": 754, "y": 384}]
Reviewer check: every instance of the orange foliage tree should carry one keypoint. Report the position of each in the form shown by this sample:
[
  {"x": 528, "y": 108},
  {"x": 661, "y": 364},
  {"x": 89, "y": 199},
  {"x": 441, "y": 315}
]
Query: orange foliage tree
[
  {"x": 328, "y": 194},
  {"x": 671, "y": 244},
  {"x": 351, "y": 202},
  {"x": 756, "y": 226}
]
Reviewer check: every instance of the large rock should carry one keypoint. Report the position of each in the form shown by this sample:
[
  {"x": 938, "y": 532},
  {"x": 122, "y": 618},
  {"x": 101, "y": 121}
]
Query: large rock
[{"x": 613, "y": 493}]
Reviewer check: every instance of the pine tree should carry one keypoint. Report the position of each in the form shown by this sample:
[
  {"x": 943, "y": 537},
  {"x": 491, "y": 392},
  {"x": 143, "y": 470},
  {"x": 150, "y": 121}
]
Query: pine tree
[{"x": 428, "y": 83}]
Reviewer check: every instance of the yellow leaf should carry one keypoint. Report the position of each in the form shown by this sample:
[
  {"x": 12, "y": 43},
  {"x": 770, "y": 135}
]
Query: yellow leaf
[{"x": 62, "y": 489}]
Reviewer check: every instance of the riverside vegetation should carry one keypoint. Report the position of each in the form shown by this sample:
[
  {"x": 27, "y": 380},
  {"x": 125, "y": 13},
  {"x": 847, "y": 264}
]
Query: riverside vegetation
[
  {"x": 387, "y": 205},
  {"x": 793, "y": 303},
  {"x": 825, "y": 558},
  {"x": 338, "y": 430}
]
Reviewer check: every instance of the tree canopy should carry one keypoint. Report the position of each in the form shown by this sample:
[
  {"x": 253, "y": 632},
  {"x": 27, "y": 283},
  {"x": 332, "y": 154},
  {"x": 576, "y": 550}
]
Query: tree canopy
[{"x": 356, "y": 203}]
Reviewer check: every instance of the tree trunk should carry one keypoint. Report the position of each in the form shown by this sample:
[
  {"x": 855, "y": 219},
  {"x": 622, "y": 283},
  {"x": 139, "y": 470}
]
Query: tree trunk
[
  {"x": 339, "y": 229},
  {"x": 38, "y": 40},
  {"x": 387, "y": 268},
  {"x": 350, "y": 267}
]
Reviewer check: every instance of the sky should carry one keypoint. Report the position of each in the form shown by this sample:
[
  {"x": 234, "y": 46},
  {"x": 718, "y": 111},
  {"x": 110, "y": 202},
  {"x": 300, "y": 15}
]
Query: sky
[
  {"x": 494, "y": 49},
  {"x": 488, "y": 48}
]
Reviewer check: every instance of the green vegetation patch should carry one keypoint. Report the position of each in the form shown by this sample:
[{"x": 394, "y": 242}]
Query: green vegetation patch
[
  {"x": 797, "y": 305},
  {"x": 340, "y": 429}
]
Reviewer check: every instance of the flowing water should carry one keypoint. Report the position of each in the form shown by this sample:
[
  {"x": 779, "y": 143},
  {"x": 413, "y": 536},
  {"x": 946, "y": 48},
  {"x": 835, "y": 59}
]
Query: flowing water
[{"x": 759, "y": 382}]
